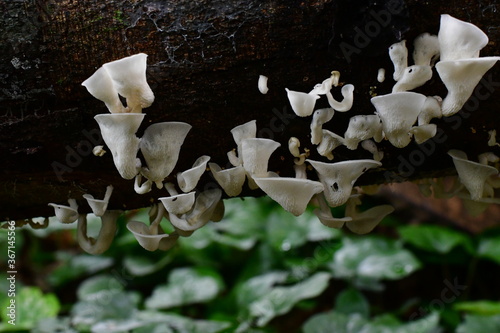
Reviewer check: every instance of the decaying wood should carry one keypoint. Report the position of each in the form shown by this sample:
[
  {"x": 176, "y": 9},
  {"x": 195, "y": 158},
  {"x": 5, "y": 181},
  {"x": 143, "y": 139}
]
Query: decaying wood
[{"x": 204, "y": 61}]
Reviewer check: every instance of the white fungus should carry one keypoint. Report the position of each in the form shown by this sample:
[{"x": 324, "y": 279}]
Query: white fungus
[{"x": 262, "y": 84}]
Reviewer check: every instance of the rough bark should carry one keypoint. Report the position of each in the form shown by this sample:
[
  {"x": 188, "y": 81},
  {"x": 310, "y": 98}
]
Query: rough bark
[{"x": 204, "y": 61}]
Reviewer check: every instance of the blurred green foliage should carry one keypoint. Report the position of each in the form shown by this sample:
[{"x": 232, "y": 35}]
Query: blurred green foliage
[{"x": 260, "y": 270}]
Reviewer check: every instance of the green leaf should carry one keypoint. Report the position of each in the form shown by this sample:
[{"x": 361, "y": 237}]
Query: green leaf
[
  {"x": 255, "y": 288},
  {"x": 475, "y": 323},
  {"x": 28, "y": 307},
  {"x": 280, "y": 300},
  {"x": 111, "y": 305},
  {"x": 333, "y": 321},
  {"x": 342, "y": 323},
  {"x": 284, "y": 232},
  {"x": 74, "y": 267},
  {"x": 186, "y": 286},
  {"x": 489, "y": 248},
  {"x": 483, "y": 307},
  {"x": 178, "y": 323},
  {"x": 51, "y": 325},
  {"x": 141, "y": 265},
  {"x": 95, "y": 287},
  {"x": 434, "y": 238},
  {"x": 372, "y": 258},
  {"x": 351, "y": 301}
]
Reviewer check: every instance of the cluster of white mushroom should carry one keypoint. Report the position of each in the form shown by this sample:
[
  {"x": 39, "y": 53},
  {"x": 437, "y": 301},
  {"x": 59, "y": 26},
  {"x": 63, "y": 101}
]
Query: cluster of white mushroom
[{"x": 399, "y": 117}]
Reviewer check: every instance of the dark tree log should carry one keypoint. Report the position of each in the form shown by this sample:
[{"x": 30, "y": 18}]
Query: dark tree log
[{"x": 204, "y": 61}]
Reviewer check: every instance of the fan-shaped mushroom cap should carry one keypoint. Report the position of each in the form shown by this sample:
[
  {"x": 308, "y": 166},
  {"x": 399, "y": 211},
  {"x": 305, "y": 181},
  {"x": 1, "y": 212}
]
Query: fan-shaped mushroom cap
[
  {"x": 231, "y": 180},
  {"x": 302, "y": 103},
  {"x": 99, "y": 207},
  {"x": 348, "y": 98},
  {"x": 370, "y": 146},
  {"x": 363, "y": 223},
  {"x": 338, "y": 178},
  {"x": 149, "y": 240},
  {"x": 255, "y": 154},
  {"x": 178, "y": 203},
  {"x": 118, "y": 132},
  {"x": 472, "y": 175},
  {"x": 324, "y": 214},
  {"x": 129, "y": 78},
  {"x": 320, "y": 117},
  {"x": 398, "y": 112},
  {"x": 291, "y": 193},
  {"x": 426, "y": 49},
  {"x": 160, "y": 145},
  {"x": 363, "y": 127},
  {"x": 329, "y": 142},
  {"x": 413, "y": 77},
  {"x": 460, "y": 78},
  {"x": 200, "y": 214},
  {"x": 459, "y": 39},
  {"x": 106, "y": 235},
  {"x": 423, "y": 133},
  {"x": 430, "y": 110},
  {"x": 241, "y": 132},
  {"x": 399, "y": 57},
  {"x": 188, "y": 179},
  {"x": 66, "y": 214},
  {"x": 101, "y": 87}
]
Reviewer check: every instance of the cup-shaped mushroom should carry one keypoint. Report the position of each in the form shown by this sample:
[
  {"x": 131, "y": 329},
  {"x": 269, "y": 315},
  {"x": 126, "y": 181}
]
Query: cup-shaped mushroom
[
  {"x": 291, "y": 193},
  {"x": 98, "y": 206},
  {"x": 472, "y": 175},
  {"x": 329, "y": 142},
  {"x": 231, "y": 180},
  {"x": 241, "y": 132},
  {"x": 200, "y": 214},
  {"x": 106, "y": 235},
  {"x": 255, "y": 154},
  {"x": 129, "y": 78},
  {"x": 459, "y": 39},
  {"x": 302, "y": 103},
  {"x": 179, "y": 203},
  {"x": 320, "y": 117},
  {"x": 324, "y": 214},
  {"x": 426, "y": 49},
  {"x": 160, "y": 145},
  {"x": 147, "y": 238},
  {"x": 398, "y": 112},
  {"x": 346, "y": 103},
  {"x": 118, "y": 132},
  {"x": 413, "y": 77},
  {"x": 166, "y": 243},
  {"x": 338, "y": 178},
  {"x": 324, "y": 87},
  {"x": 363, "y": 223},
  {"x": 460, "y": 78},
  {"x": 363, "y": 127},
  {"x": 399, "y": 57},
  {"x": 423, "y": 133},
  {"x": 66, "y": 214},
  {"x": 430, "y": 110},
  {"x": 188, "y": 179},
  {"x": 101, "y": 87}
]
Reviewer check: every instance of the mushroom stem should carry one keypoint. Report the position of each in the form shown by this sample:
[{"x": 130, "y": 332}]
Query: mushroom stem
[{"x": 106, "y": 234}]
